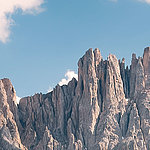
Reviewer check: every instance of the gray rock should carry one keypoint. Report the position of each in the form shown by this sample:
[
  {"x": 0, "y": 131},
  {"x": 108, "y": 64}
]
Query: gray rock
[{"x": 108, "y": 108}]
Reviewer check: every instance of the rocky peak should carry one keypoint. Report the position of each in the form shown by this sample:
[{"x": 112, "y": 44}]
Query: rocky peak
[
  {"x": 11, "y": 95},
  {"x": 97, "y": 56},
  {"x": 146, "y": 60},
  {"x": 107, "y": 108},
  {"x": 146, "y": 64},
  {"x": 9, "y": 135},
  {"x": 146, "y": 56}
]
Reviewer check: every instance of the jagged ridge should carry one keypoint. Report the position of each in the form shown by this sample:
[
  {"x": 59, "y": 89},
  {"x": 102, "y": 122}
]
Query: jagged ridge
[{"x": 107, "y": 108}]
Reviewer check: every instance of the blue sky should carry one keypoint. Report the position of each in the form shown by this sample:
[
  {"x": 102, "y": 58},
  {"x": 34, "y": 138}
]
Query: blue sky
[{"x": 43, "y": 45}]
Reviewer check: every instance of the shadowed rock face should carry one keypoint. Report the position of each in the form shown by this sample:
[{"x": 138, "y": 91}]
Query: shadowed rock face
[{"x": 108, "y": 108}]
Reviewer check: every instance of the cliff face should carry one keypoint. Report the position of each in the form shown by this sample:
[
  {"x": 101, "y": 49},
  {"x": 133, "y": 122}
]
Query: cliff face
[
  {"x": 9, "y": 135},
  {"x": 108, "y": 108}
]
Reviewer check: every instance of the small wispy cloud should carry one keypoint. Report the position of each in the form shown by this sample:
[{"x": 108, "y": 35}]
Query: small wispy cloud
[
  {"x": 50, "y": 89},
  {"x": 9, "y": 7},
  {"x": 18, "y": 99},
  {"x": 145, "y": 1},
  {"x": 68, "y": 77}
]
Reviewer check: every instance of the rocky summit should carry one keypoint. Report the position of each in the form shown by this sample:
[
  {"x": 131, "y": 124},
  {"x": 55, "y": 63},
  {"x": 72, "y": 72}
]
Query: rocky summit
[{"x": 108, "y": 108}]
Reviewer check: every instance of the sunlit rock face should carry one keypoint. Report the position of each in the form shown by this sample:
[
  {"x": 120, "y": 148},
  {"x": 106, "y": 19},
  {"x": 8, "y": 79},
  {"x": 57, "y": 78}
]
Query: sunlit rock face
[
  {"x": 9, "y": 134},
  {"x": 108, "y": 108}
]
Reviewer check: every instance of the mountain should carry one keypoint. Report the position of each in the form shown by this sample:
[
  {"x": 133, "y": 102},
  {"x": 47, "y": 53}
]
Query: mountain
[{"x": 108, "y": 108}]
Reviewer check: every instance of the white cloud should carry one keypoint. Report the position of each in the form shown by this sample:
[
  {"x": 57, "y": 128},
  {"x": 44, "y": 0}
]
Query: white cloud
[
  {"x": 50, "y": 89},
  {"x": 9, "y": 7},
  {"x": 18, "y": 99},
  {"x": 145, "y": 1},
  {"x": 68, "y": 77}
]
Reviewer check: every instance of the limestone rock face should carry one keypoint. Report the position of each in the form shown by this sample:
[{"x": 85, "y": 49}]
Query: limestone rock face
[
  {"x": 9, "y": 135},
  {"x": 108, "y": 108},
  {"x": 146, "y": 64}
]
